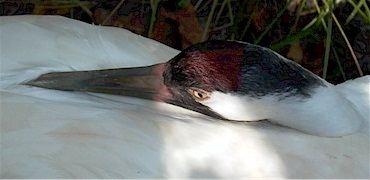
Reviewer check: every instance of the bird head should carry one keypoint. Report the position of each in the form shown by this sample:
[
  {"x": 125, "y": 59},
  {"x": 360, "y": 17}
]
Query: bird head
[
  {"x": 222, "y": 79},
  {"x": 202, "y": 78}
]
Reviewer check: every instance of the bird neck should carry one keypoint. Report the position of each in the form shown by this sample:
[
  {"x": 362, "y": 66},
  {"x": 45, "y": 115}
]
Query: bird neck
[{"x": 325, "y": 113}]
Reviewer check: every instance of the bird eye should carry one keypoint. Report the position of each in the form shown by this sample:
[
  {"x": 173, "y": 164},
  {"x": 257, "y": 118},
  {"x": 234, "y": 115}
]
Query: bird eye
[{"x": 199, "y": 95}]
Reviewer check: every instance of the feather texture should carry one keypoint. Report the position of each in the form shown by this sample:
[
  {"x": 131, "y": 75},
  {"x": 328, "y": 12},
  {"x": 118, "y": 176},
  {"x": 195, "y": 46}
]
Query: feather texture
[{"x": 55, "y": 134}]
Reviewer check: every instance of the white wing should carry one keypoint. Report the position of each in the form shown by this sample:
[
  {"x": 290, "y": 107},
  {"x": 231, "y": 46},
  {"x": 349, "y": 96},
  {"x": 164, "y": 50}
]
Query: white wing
[{"x": 54, "y": 134}]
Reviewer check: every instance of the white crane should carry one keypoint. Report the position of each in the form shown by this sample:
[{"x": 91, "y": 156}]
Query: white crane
[{"x": 57, "y": 134}]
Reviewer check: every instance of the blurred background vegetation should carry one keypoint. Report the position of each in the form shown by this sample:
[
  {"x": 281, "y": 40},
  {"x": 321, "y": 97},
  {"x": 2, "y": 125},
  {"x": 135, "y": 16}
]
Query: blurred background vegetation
[{"x": 331, "y": 38}]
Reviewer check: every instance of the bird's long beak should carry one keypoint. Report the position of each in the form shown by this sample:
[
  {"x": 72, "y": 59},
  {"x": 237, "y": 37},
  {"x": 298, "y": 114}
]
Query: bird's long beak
[{"x": 142, "y": 82}]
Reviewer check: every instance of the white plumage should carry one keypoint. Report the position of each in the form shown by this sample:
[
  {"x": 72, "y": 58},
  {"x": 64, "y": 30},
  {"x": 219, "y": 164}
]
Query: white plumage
[{"x": 56, "y": 134}]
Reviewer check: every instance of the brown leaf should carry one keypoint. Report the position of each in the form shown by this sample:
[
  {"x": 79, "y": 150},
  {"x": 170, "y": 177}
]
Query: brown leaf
[
  {"x": 295, "y": 51},
  {"x": 184, "y": 22},
  {"x": 39, "y": 9}
]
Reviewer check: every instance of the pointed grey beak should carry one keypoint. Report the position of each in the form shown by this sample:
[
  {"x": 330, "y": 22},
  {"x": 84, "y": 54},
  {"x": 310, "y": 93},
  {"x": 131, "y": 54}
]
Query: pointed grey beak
[{"x": 142, "y": 82}]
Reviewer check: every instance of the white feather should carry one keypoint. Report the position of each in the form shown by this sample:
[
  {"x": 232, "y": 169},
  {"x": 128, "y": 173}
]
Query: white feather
[
  {"x": 54, "y": 134},
  {"x": 326, "y": 113}
]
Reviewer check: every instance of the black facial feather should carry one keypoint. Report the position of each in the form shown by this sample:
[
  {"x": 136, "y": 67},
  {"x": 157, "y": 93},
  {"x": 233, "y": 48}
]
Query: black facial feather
[{"x": 265, "y": 72}]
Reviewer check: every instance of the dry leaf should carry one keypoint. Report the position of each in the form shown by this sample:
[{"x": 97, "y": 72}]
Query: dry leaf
[
  {"x": 180, "y": 23},
  {"x": 62, "y": 11},
  {"x": 39, "y": 9},
  {"x": 295, "y": 51}
]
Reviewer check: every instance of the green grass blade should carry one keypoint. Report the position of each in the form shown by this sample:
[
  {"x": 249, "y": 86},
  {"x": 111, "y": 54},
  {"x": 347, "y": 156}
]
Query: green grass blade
[
  {"x": 348, "y": 44},
  {"x": 367, "y": 12},
  {"x": 366, "y": 17},
  {"x": 328, "y": 41},
  {"x": 154, "y": 6},
  {"x": 208, "y": 23},
  {"x": 269, "y": 26},
  {"x": 356, "y": 10},
  {"x": 339, "y": 63},
  {"x": 289, "y": 39}
]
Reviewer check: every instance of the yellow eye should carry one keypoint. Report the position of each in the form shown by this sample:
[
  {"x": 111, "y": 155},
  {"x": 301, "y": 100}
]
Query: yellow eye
[{"x": 199, "y": 95}]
